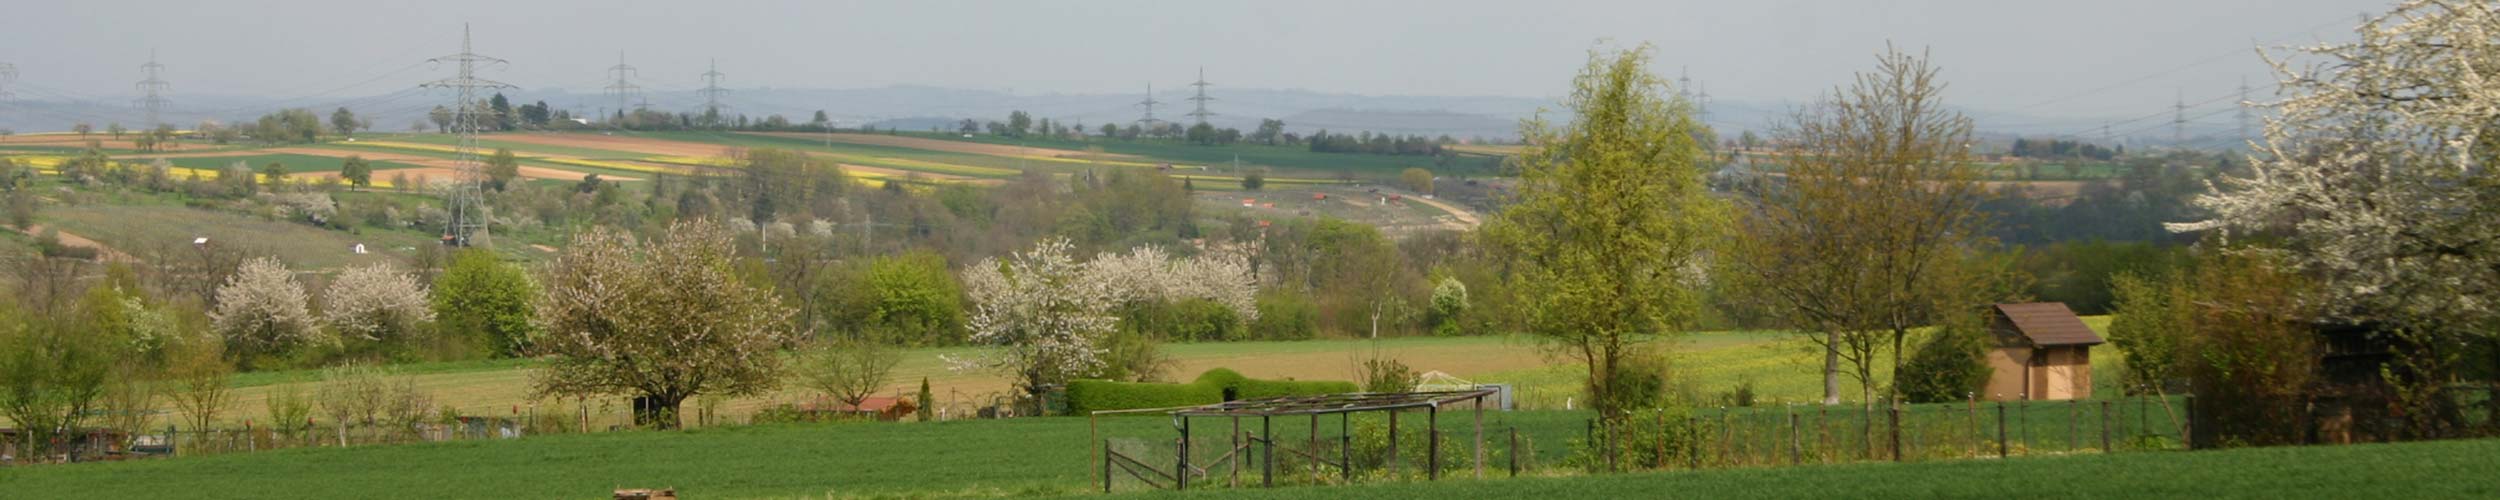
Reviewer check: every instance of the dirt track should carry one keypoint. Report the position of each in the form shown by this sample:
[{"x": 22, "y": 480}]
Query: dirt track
[{"x": 73, "y": 240}]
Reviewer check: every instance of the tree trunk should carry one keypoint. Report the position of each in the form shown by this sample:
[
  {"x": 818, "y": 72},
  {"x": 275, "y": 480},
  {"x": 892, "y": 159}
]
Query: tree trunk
[
  {"x": 1892, "y": 390},
  {"x": 1375, "y": 319},
  {"x": 1831, "y": 368},
  {"x": 658, "y": 411}
]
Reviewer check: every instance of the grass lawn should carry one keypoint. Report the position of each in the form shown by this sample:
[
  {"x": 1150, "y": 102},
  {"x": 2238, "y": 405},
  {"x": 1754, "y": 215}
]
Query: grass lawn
[
  {"x": 1049, "y": 457},
  {"x": 2447, "y": 469}
]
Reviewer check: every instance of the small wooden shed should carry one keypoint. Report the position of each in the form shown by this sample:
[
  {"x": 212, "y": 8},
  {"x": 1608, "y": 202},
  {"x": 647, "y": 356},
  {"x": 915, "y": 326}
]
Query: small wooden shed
[{"x": 2042, "y": 352}]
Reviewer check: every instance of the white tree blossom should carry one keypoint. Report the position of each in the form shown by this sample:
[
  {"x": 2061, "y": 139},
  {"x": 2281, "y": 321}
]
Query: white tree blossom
[
  {"x": 261, "y": 309},
  {"x": 376, "y": 302},
  {"x": 1148, "y": 273},
  {"x": 1042, "y": 311},
  {"x": 2377, "y": 172},
  {"x": 660, "y": 320}
]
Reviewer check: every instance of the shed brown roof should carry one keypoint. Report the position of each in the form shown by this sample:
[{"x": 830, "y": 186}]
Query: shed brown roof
[{"x": 2048, "y": 324}]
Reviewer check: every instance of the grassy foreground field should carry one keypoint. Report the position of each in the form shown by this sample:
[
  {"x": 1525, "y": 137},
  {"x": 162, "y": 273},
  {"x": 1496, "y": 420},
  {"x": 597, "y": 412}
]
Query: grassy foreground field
[
  {"x": 1048, "y": 457},
  {"x": 2448, "y": 469}
]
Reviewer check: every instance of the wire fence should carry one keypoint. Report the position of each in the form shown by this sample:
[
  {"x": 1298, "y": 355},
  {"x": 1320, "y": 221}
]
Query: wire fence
[{"x": 1338, "y": 450}]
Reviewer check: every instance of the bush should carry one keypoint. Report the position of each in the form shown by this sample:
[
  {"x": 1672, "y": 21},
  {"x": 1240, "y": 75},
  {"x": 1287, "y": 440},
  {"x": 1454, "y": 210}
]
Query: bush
[
  {"x": 1636, "y": 440},
  {"x": 1950, "y": 366},
  {"x": 1087, "y": 396},
  {"x": 1640, "y": 382},
  {"x": 1285, "y": 316},
  {"x": 1384, "y": 374},
  {"x": 1214, "y": 386}
]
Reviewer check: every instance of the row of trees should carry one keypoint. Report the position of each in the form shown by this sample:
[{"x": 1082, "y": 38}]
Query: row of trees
[{"x": 2063, "y": 149}]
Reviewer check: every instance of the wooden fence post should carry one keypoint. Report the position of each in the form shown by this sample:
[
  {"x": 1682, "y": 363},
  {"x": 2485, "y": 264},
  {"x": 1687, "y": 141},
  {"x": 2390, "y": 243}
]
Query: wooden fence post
[
  {"x": 1796, "y": 445},
  {"x": 2105, "y": 427},
  {"x": 1973, "y": 403},
  {"x": 1514, "y": 452},
  {"x": 1106, "y": 466},
  {"x": 2001, "y": 445},
  {"x": 1662, "y": 439}
]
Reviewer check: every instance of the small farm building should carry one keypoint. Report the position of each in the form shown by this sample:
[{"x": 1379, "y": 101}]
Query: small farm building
[{"x": 2041, "y": 352}]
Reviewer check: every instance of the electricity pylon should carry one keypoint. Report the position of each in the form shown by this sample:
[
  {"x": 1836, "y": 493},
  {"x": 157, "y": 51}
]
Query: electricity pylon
[
  {"x": 466, "y": 200},
  {"x": 154, "y": 86}
]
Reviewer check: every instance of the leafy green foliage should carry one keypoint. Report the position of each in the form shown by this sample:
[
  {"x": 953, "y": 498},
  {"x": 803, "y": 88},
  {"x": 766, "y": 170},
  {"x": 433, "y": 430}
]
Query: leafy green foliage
[
  {"x": 1214, "y": 386},
  {"x": 1285, "y": 316},
  {"x": 1611, "y": 220},
  {"x": 1949, "y": 366},
  {"x": 480, "y": 296}
]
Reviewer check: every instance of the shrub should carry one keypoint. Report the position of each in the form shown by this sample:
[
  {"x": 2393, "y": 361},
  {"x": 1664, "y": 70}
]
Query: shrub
[
  {"x": 1637, "y": 440},
  {"x": 1640, "y": 382},
  {"x": 1950, "y": 366},
  {"x": 481, "y": 294},
  {"x": 1285, "y": 316},
  {"x": 1215, "y": 386},
  {"x": 1087, "y": 396},
  {"x": 1256, "y": 389},
  {"x": 1384, "y": 374}
]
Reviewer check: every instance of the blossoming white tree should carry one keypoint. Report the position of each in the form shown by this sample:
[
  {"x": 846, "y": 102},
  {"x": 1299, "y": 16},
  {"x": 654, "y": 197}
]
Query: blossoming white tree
[
  {"x": 1049, "y": 314},
  {"x": 1043, "y": 313},
  {"x": 2377, "y": 172},
  {"x": 376, "y": 302},
  {"x": 261, "y": 310},
  {"x": 660, "y": 320},
  {"x": 2377, "y": 179}
]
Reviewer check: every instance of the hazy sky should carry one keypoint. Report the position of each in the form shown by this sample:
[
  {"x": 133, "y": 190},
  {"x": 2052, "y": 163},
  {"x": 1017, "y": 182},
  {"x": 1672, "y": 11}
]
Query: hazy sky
[{"x": 2064, "y": 58}]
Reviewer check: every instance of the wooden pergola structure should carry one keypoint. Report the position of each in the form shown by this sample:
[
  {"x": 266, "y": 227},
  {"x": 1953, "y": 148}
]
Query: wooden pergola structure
[{"x": 1344, "y": 406}]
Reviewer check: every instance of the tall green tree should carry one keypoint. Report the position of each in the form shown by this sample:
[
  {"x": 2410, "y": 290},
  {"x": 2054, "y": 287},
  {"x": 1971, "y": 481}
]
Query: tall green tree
[
  {"x": 1875, "y": 219},
  {"x": 481, "y": 295},
  {"x": 1611, "y": 225},
  {"x": 502, "y": 168},
  {"x": 344, "y": 122},
  {"x": 357, "y": 171}
]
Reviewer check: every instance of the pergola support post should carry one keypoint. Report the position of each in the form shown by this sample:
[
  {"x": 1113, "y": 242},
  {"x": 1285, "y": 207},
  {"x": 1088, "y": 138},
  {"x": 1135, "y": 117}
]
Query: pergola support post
[
  {"x": 1479, "y": 404},
  {"x": 1182, "y": 471},
  {"x": 1432, "y": 440},
  {"x": 1267, "y": 452}
]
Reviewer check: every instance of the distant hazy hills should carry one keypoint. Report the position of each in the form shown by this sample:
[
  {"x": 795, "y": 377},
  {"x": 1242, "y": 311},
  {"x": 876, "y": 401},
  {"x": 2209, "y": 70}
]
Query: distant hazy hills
[{"x": 921, "y": 107}]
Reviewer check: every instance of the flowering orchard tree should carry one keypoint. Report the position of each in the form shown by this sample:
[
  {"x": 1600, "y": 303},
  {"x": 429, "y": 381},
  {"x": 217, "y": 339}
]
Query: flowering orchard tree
[
  {"x": 2377, "y": 174},
  {"x": 261, "y": 310},
  {"x": 376, "y": 302},
  {"x": 1044, "y": 313},
  {"x": 1148, "y": 273},
  {"x": 1049, "y": 314},
  {"x": 660, "y": 320}
]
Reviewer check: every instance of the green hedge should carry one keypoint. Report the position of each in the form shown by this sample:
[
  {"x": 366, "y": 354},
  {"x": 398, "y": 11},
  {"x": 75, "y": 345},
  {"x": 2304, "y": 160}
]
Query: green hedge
[{"x": 1086, "y": 396}]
